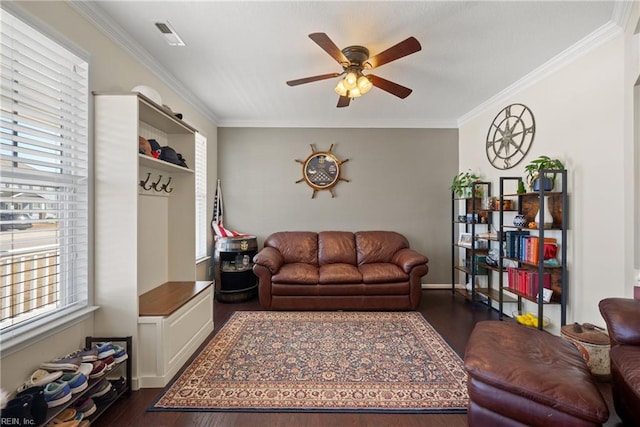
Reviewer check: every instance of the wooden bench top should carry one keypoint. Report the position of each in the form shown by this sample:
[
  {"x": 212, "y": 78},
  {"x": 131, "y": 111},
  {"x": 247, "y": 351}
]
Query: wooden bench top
[{"x": 168, "y": 297}]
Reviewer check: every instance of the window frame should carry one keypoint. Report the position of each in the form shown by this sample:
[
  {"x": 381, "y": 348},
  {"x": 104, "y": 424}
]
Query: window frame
[{"x": 40, "y": 327}]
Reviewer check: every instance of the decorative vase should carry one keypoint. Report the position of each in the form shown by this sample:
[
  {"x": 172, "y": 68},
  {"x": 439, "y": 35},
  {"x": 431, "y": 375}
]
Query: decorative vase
[
  {"x": 519, "y": 221},
  {"x": 548, "y": 218}
]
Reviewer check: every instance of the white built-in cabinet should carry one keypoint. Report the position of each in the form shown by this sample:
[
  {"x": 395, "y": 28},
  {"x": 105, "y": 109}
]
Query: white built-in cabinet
[{"x": 145, "y": 238}]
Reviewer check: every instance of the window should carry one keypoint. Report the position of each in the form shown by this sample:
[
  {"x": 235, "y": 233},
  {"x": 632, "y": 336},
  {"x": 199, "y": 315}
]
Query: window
[
  {"x": 44, "y": 179},
  {"x": 201, "y": 197}
]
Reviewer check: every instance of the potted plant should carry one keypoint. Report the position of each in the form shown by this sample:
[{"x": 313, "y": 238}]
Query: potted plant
[
  {"x": 462, "y": 183},
  {"x": 533, "y": 173}
]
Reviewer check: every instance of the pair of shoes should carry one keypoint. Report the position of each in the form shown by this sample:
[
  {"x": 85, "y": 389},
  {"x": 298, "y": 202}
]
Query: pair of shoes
[
  {"x": 40, "y": 378},
  {"x": 86, "y": 369},
  {"x": 105, "y": 349},
  {"x": 27, "y": 408},
  {"x": 110, "y": 362},
  {"x": 120, "y": 354},
  {"x": 57, "y": 393},
  {"x": 63, "y": 364},
  {"x": 119, "y": 385},
  {"x": 86, "y": 354},
  {"x": 86, "y": 406},
  {"x": 77, "y": 381},
  {"x": 99, "y": 368},
  {"x": 101, "y": 388},
  {"x": 67, "y": 418},
  {"x": 108, "y": 397}
]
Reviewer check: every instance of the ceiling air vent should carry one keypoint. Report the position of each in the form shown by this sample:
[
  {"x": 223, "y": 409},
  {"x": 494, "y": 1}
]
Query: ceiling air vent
[{"x": 169, "y": 34}]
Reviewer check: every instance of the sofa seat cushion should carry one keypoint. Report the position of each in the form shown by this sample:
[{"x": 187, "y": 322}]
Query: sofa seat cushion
[
  {"x": 340, "y": 273},
  {"x": 297, "y": 272},
  {"x": 382, "y": 272}
]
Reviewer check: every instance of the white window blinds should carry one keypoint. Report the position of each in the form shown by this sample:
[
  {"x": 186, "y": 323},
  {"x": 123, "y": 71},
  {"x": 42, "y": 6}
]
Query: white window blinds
[
  {"x": 201, "y": 197},
  {"x": 43, "y": 177}
]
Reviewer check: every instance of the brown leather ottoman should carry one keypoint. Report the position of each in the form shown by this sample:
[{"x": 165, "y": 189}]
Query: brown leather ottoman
[{"x": 520, "y": 376}]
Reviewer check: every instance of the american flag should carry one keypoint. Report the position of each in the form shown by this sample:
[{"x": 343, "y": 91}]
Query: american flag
[{"x": 217, "y": 224}]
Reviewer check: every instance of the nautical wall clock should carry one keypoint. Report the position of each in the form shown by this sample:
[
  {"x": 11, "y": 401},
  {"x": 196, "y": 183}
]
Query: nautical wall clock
[
  {"x": 321, "y": 170},
  {"x": 510, "y": 136}
]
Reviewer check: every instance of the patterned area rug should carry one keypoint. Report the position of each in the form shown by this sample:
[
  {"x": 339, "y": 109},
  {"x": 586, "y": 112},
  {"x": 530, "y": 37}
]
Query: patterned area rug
[{"x": 322, "y": 361}]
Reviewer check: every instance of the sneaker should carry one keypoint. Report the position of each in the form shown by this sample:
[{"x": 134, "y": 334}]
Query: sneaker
[
  {"x": 105, "y": 349},
  {"x": 40, "y": 378},
  {"x": 101, "y": 388},
  {"x": 86, "y": 406},
  {"x": 108, "y": 397},
  {"x": 120, "y": 354},
  {"x": 63, "y": 364},
  {"x": 119, "y": 385},
  {"x": 110, "y": 362},
  {"x": 57, "y": 393},
  {"x": 85, "y": 369},
  {"x": 77, "y": 381},
  {"x": 99, "y": 369},
  {"x": 86, "y": 354}
]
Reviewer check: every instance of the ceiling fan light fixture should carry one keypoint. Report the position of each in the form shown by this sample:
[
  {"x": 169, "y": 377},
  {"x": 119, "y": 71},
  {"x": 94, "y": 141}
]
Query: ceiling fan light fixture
[
  {"x": 354, "y": 93},
  {"x": 350, "y": 80},
  {"x": 340, "y": 89},
  {"x": 364, "y": 84}
]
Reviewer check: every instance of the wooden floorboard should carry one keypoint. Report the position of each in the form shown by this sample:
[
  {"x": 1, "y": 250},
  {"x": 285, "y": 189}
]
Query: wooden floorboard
[{"x": 452, "y": 316}]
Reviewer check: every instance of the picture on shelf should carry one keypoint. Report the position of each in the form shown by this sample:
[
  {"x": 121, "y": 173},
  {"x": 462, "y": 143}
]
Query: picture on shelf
[{"x": 465, "y": 240}]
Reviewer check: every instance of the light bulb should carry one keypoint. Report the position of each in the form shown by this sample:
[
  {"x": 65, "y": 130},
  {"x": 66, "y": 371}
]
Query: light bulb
[
  {"x": 364, "y": 84},
  {"x": 355, "y": 92},
  {"x": 340, "y": 89},
  {"x": 350, "y": 80}
]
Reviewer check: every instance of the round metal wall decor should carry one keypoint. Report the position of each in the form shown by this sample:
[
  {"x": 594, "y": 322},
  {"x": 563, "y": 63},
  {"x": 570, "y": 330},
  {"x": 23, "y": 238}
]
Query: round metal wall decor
[
  {"x": 321, "y": 170},
  {"x": 510, "y": 136}
]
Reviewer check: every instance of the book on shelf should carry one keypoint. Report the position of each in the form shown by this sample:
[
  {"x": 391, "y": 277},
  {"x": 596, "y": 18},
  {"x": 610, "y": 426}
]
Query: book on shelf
[{"x": 526, "y": 282}]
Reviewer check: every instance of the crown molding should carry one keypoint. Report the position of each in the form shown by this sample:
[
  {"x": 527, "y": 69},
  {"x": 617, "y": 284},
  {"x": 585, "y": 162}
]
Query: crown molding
[
  {"x": 621, "y": 12},
  {"x": 94, "y": 14},
  {"x": 365, "y": 123},
  {"x": 588, "y": 43}
]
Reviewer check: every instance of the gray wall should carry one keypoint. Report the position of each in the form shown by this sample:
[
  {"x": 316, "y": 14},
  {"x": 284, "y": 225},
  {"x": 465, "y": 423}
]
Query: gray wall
[{"x": 399, "y": 180}]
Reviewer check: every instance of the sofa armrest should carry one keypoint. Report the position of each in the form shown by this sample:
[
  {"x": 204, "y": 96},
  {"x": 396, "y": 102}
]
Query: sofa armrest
[
  {"x": 407, "y": 259},
  {"x": 623, "y": 320},
  {"x": 270, "y": 258}
]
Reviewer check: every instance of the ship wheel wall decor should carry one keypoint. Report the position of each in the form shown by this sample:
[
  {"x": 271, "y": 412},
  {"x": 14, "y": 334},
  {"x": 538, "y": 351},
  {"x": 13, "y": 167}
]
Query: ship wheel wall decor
[{"x": 321, "y": 170}]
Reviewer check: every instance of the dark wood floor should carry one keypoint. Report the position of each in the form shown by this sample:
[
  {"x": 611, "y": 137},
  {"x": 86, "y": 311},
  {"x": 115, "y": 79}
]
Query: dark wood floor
[{"x": 451, "y": 316}]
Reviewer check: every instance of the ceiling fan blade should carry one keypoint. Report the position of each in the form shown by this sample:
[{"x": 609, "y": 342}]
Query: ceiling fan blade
[
  {"x": 400, "y": 50},
  {"x": 312, "y": 79},
  {"x": 329, "y": 46},
  {"x": 343, "y": 101},
  {"x": 389, "y": 86}
]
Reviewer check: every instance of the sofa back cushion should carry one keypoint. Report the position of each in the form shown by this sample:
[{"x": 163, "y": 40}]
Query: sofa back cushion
[
  {"x": 295, "y": 246},
  {"x": 378, "y": 246},
  {"x": 336, "y": 247}
]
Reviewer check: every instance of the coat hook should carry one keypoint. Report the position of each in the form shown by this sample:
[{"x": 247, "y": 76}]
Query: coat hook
[
  {"x": 164, "y": 186},
  {"x": 143, "y": 184},
  {"x": 155, "y": 184}
]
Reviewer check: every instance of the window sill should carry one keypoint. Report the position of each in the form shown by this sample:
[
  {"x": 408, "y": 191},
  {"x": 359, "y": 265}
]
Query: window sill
[
  {"x": 26, "y": 336},
  {"x": 203, "y": 259}
]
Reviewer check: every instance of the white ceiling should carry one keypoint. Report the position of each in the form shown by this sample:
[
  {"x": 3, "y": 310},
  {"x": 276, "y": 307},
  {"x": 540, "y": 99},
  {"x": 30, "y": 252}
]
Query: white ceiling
[{"x": 239, "y": 54}]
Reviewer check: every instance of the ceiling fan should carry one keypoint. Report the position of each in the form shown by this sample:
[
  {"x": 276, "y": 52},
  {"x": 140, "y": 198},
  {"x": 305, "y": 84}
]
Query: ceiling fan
[{"x": 354, "y": 60}]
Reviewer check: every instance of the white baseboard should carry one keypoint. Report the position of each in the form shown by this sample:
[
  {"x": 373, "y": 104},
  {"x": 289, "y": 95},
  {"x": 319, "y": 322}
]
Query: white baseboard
[{"x": 436, "y": 286}]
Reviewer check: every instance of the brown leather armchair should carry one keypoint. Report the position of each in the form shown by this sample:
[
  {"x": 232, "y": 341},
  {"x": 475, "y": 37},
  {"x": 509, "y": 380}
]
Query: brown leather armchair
[{"x": 623, "y": 323}]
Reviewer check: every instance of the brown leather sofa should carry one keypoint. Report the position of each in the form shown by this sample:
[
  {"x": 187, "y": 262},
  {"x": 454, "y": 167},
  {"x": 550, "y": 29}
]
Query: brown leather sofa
[
  {"x": 339, "y": 270},
  {"x": 623, "y": 324}
]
